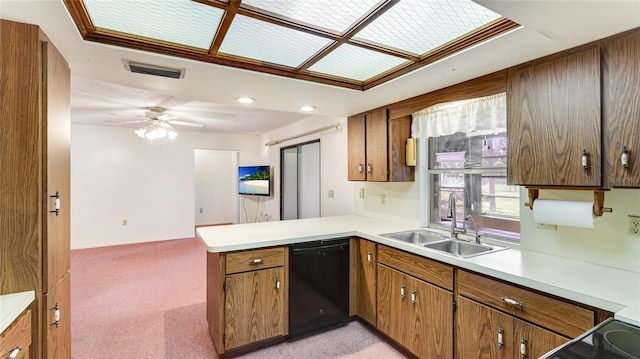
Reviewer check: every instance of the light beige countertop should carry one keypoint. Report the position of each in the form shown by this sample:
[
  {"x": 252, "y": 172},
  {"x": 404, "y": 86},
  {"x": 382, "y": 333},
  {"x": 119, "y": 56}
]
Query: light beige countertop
[
  {"x": 607, "y": 288},
  {"x": 12, "y": 305}
]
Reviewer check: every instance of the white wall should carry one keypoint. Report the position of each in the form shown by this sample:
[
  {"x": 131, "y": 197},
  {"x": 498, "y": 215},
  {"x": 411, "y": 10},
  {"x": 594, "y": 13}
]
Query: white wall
[
  {"x": 216, "y": 185},
  {"x": 116, "y": 175}
]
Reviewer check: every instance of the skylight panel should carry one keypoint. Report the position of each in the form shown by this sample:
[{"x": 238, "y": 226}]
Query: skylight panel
[
  {"x": 182, "y": 22},
  {"x": 334, "y": 15},
  {"x": 259, "y": 40},
  {"x": 356, "y": 63},
  {"x": 419, "y": 26}
]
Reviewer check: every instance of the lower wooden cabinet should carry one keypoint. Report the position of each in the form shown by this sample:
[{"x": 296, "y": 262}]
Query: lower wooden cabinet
[
  {"x": 57, "y": 320},
  {"x": 413, "y": 312},
  {"x": 483, "y": 332},
  {"x": 254, "y": 307},
  {"x": 16, "y": 339},
  {"x": 247, "y": 297},
  {"x": 363, "y": 301}
]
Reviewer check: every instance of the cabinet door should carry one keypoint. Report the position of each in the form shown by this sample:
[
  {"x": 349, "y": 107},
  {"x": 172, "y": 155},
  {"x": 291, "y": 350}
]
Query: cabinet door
[
  {"x": 376, "y": 146},
  {"x": 553, "y": 116},
  {"x": 254, "y": 307},
  {"x": 366, "y": 277},
  {"x": 482, "y": 332},
  {"x": 621, "y": 108},
  {"x": 534, "y": 341},
  {"x": 57, "y": 320},
  {"x": 357, "y": 150},
  {"x": 56, "y": 167},
  {"x": 429, "y": 320},
  {"x": 393, "y": 299}
]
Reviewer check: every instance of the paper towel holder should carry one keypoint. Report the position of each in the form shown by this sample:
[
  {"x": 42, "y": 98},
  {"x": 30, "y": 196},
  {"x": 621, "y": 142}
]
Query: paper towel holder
[{"x": 598, "y": 201}]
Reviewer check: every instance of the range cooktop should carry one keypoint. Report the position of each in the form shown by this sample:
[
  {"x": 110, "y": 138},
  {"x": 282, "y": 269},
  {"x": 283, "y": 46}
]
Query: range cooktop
[{"x": 611, "y": 339}]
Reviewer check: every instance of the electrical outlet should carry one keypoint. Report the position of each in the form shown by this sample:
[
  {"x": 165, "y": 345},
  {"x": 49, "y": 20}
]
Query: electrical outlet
[
  {"x": 361, "y": 192},
  {"x": 200, "y": 209},
  {"x": 331, "y": 193},
  {"x": 383, "y": 198},
  {"x": 634, "y": 225},
  {"x": 124, "y": 222}
]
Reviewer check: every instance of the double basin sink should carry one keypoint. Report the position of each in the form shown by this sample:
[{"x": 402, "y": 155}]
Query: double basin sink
[{"x": 442, "y": 243}]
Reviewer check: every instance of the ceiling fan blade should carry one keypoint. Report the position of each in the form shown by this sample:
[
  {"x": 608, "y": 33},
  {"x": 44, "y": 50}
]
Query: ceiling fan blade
[
  {"x": 125, "y": 122},
  {"x": 184, "y": 123}
]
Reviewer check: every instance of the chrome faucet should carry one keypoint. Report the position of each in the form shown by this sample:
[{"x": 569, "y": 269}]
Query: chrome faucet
[
  {"x": 470, "y": 217},
  {"x": 452, "y": 215}
]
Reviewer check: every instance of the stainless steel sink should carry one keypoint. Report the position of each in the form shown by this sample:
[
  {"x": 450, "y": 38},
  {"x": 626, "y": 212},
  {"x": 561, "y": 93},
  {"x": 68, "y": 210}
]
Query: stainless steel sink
[
  {"x": 417, "y": 236},
  {"x": 462, "y": 249}
]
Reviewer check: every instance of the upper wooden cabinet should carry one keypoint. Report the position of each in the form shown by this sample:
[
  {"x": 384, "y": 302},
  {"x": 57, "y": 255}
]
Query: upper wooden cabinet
[
  {"x": 621, "y": 111},
  {"x": 377, "y": 147},
  {"x": 554, "y": 121}
]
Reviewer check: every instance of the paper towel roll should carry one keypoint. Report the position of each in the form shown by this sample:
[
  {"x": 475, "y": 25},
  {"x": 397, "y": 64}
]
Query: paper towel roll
[{"x": 564, "y": 213}]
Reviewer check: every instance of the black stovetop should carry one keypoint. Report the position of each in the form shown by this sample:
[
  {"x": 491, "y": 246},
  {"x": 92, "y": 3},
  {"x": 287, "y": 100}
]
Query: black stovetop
[{"x": 611, "y": 339}]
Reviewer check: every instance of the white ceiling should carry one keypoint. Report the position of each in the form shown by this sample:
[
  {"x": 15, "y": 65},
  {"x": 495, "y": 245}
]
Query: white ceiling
[{"x": 104, "y": 93}]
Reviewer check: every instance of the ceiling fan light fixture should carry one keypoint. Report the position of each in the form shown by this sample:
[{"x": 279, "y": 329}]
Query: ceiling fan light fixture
[{"x": 154, "y": 132}]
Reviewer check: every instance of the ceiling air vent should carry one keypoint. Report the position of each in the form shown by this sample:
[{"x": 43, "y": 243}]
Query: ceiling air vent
[{"x": 154, "y": 70}]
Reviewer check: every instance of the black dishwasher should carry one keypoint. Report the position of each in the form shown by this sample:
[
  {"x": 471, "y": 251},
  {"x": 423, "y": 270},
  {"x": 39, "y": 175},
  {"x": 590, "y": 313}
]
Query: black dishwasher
[{"x": 318, "y": 285}]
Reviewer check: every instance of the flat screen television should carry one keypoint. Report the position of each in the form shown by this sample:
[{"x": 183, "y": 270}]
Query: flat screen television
[{"x": 254, "y": 180}]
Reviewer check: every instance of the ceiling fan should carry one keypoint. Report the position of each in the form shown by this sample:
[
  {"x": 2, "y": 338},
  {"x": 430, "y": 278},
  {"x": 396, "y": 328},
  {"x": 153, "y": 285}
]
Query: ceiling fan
[{"x": 159, "y": 122}]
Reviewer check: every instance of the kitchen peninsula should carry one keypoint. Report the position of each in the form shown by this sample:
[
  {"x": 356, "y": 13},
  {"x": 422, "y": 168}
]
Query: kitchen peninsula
[{"x": 601, "y": 288}]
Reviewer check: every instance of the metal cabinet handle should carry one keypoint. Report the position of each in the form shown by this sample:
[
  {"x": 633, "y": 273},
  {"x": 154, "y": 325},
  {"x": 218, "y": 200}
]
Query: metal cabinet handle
[
  {"x": 402, "y": 291},
  {"x": 278, "y": 284},
  {"x": 369, "y": 168},
  {"x": 413, "y": 297},
  {"x": 14, "y": 353},
  {"x": 512, "y": 302},
  {"x": 625, "y": 158},
  {"x": 255, "y": 261},
  {"x": 56, "y": 203},
  {"x": 500, "y": 339},
  {"x": 56, "y": 315},
  {"x": 360, "y": 167},
  {"x": 523, "y": 348},
  {"x": 369, "y": 257},
  {"x": 584, "y": 160}
]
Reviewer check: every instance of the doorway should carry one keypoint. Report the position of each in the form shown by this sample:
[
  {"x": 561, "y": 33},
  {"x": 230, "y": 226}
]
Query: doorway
[
  {"x": 216, "y": 187},
  {"x": 300, "y": 185}
]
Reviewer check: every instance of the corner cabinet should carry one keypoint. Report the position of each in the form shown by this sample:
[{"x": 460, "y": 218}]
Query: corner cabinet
[
  {"x": 35, "y": 178},
  {"x": 377, "y": 147},
  {"x": 554, "y": 121},
  {"x": 415, "y": 302},
  {"x": 499, "y": 320},
  {"x": 621, "y": 111},
  {"x": 247, "y": 298}
]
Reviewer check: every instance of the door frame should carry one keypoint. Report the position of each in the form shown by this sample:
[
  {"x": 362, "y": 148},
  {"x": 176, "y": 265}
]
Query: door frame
[{"x": 282, "y": 171}]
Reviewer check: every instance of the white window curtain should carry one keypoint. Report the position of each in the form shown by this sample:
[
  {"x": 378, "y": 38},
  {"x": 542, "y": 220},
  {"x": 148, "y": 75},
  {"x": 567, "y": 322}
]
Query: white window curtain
[{"x": 479, "y": 116}]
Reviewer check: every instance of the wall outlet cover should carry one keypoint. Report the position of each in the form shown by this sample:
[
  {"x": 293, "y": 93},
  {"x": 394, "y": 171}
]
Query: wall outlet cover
[
  {"x": 634, "y": 225},
  {"x": 331, "y": 193},
  {"x": 361, "y": 192}
]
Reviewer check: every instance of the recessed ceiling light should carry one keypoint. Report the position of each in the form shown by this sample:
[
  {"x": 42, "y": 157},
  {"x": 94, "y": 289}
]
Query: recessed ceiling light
[
  {"x": 245, "y": 99},
  {"x": 307, "y": 108}
]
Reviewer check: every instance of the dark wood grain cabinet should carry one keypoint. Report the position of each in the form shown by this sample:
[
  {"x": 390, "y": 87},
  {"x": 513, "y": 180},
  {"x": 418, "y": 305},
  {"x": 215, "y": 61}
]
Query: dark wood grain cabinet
[
  {"x": 554, "y": 121},
  {"x": 377, "y": 147},
  {"x": 35, "y": 181},
  {"x": 363, "y": 279},
  {"x": 621, "y": 111}
]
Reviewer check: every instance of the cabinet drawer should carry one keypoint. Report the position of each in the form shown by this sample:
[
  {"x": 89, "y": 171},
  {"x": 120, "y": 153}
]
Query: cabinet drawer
[
  {"x": 243, "y": 261},
  {"x": 556, "y": 315},
  {"x": 18, "y": 335},
  {"x": 423, "y": 268}
]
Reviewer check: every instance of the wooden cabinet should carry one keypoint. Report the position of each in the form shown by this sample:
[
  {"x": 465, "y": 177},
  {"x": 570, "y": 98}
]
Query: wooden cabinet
[
  {"x": 247, "y": 297},
  {"x": 35, "y": 158},
  {"x": 499, "y": 320},
  {"x": 377, "y": 147},
  {"x": 363, "y": 279},
  {"x": 413, "y": 309},
  {"x": 554, "y": 119},
  {"x": 16, "y": 339},
  {"x": 621, "y": 110}
]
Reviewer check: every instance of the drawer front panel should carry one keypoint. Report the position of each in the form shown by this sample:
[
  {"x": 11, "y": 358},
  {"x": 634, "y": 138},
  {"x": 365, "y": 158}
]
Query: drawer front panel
[
  {"x": 17, "y": 335},
  {"x": 243, "y": 261},
  {"x": 565, "y": 318},
  {"x": 430, "y": 271}
]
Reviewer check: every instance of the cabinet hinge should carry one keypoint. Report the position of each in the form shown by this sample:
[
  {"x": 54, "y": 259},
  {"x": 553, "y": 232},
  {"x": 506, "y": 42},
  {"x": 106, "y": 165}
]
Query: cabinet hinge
[{"x": 455, "y": 306}]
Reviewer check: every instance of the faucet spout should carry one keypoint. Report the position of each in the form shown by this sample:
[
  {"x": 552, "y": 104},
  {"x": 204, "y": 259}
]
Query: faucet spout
[{"x": 452, "y": 214}]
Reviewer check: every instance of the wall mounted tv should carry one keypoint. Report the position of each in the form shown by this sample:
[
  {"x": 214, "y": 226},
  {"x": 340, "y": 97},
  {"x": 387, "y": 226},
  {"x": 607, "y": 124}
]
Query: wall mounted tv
[{"x": 254, "y": 180}]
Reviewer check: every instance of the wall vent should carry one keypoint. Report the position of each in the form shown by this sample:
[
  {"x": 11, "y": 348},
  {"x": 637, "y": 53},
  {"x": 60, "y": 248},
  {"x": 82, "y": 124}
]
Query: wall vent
[{"x": 154, "y": 70}]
